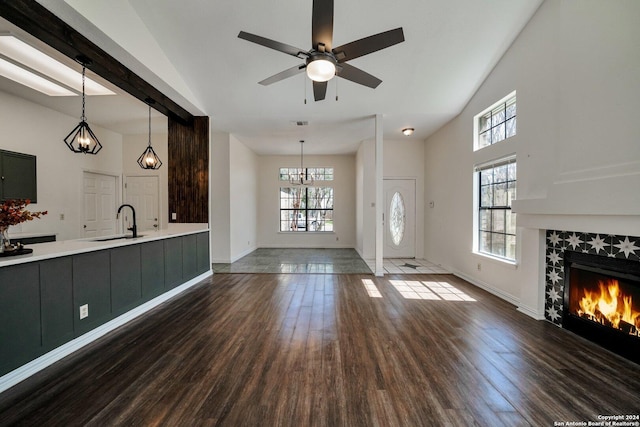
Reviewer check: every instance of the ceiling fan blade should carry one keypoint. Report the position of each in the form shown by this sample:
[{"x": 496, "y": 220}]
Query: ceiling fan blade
[
  {"x": 282, "y": 75},
  {"x": 322, "y": 24},
  {"x": 356, "y": 75},
  {"x": 367, "y": 45},
  {"x": 319, "y": 90},
  {"x": 272, "y": 44}
]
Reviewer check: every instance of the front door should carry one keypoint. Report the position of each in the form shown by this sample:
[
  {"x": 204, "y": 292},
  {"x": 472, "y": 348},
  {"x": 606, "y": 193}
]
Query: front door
[
  {"x": 399, "y": 218},
  {"x": 99, "y": 204},
  {"x": 141, "y": 192}
]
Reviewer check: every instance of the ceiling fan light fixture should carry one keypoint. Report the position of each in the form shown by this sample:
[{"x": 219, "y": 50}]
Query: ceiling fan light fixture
[
  {"x": 408, "y": 131},
  {"x": 321, "y": 69}
]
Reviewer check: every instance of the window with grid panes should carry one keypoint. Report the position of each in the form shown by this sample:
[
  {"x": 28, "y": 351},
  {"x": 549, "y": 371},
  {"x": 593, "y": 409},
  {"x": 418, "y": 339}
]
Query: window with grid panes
[
  {"x": 496, "y": 225},
  {"x": 305, "y": 208},
  {"x": 497, "y": 123}
]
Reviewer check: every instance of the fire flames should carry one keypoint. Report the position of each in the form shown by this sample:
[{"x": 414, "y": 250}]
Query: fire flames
[{"x": 610, "y": 307}]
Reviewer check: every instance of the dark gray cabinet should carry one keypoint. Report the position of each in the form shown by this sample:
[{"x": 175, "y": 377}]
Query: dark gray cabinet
[
  {"x": 126, "y": 286},
  {"x": 40, "y": 301},
  {"x": 91, "y": 286},
  {"x": 204, "y": 261},
  {"x": 172, "y": 262},
  {"x": 152, "y": 265},
  {"x": 19, "y": 315},
  {"x": 189, "y": 257},
  {"x": 18, "y": 176},
  {"x": 56, "y": 296}
]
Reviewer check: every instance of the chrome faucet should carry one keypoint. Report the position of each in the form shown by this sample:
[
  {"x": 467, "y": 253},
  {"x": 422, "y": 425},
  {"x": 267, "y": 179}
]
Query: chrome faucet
[{"x": 133, "y": 228}]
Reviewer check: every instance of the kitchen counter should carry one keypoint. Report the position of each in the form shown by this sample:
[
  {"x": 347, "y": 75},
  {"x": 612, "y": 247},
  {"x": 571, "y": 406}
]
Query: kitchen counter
[
  {"x": 67, "y": 294},
  {"x": 42, "y": 251}
]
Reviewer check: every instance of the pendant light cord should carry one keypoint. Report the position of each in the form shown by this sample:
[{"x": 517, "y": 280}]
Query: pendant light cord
[
  {"x": 83, "y": 118},
  {"x": 149, "y": 124}
]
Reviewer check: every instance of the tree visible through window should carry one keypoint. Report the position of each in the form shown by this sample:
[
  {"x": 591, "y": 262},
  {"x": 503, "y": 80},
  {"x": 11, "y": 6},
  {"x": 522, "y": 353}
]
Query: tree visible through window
[
  {"x": 497, "y": 123},
  {"x": 306, "y": 208},
  {"x": 496, "y": 223}
]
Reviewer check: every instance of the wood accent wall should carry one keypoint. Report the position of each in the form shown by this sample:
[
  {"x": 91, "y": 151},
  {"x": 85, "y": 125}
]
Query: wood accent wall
[{"x": 189, "y": 170}]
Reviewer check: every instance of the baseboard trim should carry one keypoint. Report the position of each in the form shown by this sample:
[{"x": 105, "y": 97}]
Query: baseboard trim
[
  {"x": 487, "y": 287},
  {"x": 531, "y": 312},
  {"x": 243, "y": 254},
  {"x": 25, "y": 371}
]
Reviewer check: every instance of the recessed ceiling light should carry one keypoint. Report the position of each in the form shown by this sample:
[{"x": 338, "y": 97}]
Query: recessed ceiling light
[
  {"x": 25, "y": 54},
  {"x": 29, "y": 79},
  {"x": 408, "y": 131}
]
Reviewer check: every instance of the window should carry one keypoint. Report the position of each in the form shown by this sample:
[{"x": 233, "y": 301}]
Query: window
[
  {"x": 319, "y": 174},
  {"x": 496, "y": 123},
  {"x": 496, "y": 224},
  {"x": 306, "y": 208}
]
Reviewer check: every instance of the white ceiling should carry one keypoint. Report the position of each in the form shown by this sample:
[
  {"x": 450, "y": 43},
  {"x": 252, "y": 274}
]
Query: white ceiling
[{"x": 449, "y": 48}]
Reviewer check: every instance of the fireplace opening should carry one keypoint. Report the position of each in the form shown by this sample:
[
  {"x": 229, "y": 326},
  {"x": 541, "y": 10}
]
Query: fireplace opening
[{"x": 602, "y": 301}]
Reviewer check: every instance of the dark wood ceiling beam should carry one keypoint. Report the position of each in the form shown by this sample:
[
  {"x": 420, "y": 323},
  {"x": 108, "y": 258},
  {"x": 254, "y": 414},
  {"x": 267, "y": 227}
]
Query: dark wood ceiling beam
[{"x": 44, "y": 25}]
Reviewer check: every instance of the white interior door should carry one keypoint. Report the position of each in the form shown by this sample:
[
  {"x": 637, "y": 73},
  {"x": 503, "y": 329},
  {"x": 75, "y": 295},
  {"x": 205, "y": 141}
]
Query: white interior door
[
  {"x": 399, "y": 218},
  {"x": 99, "y": 204},
  {"x": 141, "y": 192}
]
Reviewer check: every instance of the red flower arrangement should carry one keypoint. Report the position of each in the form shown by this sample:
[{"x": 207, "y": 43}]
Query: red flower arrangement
[{"x": 13, "y": 212}]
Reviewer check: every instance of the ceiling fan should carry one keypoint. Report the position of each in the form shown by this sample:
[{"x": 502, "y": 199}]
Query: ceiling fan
[{"x": 323, "y": 62}]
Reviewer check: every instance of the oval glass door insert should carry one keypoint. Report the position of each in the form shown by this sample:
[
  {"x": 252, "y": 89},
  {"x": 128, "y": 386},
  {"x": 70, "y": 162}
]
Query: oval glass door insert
[{"x": 397, "y": 216}]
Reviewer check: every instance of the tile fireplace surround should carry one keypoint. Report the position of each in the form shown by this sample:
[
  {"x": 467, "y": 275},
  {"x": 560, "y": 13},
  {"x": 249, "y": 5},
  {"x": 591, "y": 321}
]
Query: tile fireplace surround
[{"x": 607, "y": 245}]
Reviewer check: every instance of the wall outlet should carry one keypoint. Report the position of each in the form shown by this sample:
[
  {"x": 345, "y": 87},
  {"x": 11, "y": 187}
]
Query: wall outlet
[
  {"x": 174, "y": 216},
  {"x": 432, "y": 204},
  {"x": 61, "y": 217},
  {"x": 84, "y": 311},
  {"x": 479, "y": 266}
]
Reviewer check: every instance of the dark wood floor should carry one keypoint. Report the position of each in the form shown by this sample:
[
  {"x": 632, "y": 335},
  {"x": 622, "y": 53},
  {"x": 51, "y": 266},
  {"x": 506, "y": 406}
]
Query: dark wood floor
[{"x": 305, "y": 350}]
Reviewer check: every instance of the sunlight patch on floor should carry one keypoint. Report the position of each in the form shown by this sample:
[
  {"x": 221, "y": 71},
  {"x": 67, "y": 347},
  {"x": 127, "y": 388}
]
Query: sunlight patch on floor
[
  {"x": 429, "y": 290},
  {"x": 371, "y": 288}
]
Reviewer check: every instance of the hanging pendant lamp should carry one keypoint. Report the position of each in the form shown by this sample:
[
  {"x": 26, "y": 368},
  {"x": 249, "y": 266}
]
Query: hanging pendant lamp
[
  {"x": 302, "y": 178},
  {"x": 149, "y": 159},
  {"x": 82, "y": 139}
]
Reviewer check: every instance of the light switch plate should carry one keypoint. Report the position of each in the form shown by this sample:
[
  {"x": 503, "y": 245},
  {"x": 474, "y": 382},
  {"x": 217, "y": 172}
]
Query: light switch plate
[{"x": 84, "y": 311}]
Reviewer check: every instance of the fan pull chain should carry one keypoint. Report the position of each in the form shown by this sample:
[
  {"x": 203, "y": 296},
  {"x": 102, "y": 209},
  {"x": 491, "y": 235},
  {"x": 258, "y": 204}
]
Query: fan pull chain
[
  {"x": 304, "y": 82},
  {"x": 336, "y": 88}
]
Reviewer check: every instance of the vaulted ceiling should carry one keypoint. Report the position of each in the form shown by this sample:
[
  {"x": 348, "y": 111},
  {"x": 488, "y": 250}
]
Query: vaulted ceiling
[{"x": 449, "y": 49}]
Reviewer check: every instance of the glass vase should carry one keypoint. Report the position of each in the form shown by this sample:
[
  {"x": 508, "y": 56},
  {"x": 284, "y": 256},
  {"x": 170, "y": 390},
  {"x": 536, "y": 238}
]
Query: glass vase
[{"x": 4, "y": 238}]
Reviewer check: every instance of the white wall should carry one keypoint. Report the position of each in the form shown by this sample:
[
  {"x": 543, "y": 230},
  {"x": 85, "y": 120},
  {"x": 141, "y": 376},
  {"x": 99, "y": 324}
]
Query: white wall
[
  {"x": 32, "y": 129},
  {"x": 576, "y": 70},
  {"x": 404, "y": 158},
  {"x": 220, "y": 222},
  {"x": 366, "y": 193},
  {"x": 344, "y": 185},
  {"x": 243, "y": 199},
  {"x": 132, "y": 148}
]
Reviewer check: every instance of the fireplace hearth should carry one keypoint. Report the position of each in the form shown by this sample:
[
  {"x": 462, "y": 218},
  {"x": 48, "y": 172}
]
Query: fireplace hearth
[{"x": 602, "y": 301}]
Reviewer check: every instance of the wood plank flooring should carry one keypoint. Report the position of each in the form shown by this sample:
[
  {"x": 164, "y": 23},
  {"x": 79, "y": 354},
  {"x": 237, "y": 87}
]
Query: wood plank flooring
[{"x": 318, "y": 350}]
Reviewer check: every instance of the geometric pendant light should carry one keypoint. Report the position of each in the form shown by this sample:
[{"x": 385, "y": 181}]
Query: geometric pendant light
[
  {"x": 82, "y": 139},
  {"x": 149, "y": 159}
]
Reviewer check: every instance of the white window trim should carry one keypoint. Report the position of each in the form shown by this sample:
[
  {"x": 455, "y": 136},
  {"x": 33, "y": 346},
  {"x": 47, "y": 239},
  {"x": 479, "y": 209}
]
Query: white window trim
[
  {"x": 476, "y": 201},
  {"x": 476, "y": 119}
]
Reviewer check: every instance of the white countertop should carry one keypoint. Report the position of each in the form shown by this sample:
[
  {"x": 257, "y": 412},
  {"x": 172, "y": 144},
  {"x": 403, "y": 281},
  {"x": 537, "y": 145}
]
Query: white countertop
[{"x": 62, "y": 248}]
